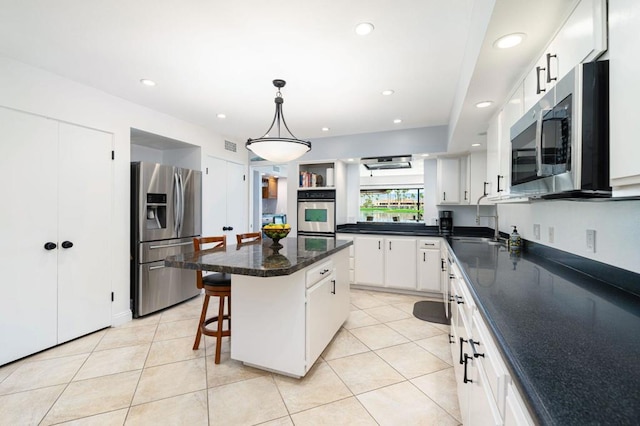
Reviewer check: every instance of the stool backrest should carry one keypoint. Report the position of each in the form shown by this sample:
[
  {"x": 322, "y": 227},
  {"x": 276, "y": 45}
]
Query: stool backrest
[
  {"x": 202, "y": 243},
  {"x": 249, "y": 237}
]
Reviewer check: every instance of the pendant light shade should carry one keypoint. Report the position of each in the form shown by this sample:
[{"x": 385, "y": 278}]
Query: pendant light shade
[{"x": 278, "y": 148}]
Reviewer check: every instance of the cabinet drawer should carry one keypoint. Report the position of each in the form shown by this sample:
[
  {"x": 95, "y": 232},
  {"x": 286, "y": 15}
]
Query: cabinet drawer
[
  {"x": 490, "y": 360},
  {"x": 321, "y": 271},
  {"x": 429, "y": 244}
]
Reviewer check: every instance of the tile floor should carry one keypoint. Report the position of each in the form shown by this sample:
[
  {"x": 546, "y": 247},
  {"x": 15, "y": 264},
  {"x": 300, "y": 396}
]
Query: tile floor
[{"x": 383, "y": 367}]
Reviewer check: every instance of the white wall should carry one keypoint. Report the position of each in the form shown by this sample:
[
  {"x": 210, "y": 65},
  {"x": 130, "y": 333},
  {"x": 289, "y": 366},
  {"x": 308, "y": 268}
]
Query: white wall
[
  {"x": 33, "y": 90},
  {"x": 617, "y": 226}
]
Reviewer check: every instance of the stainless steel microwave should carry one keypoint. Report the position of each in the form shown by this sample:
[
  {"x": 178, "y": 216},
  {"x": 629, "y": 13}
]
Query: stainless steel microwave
[{"x": 560, "y": 147}]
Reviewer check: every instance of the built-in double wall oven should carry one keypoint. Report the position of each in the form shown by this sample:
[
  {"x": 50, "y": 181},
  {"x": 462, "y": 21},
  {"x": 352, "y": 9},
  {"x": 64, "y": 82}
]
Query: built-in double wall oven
[
  {"x": 317, "y": 212},
  {"x": 560, "y": 147}
]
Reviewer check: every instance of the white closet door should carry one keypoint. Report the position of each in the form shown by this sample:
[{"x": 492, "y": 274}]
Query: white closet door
[
  {"x": 237, "y": 199},
  {"x": 85, "y": 203},
  {"x": 224, "y": 199},
  {"x": 28, "y": 219},
  {"x": 214, "y": 198}
]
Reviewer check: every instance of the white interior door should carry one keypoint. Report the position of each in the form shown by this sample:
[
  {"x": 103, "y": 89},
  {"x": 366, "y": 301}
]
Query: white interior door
[
  {"x": 84, "y": 219},
  {"x": 28, "y": 219},
  {"x": 224, "y": 198},
  {"x": 237, "y": 199}
]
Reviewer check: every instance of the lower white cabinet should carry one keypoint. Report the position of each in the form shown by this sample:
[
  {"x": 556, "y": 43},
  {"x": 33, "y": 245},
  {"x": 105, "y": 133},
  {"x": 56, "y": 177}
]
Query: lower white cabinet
[
  {"x": 484, "y": 385},
  {"x": 429, "y": 265},
  {"x": 284, "y": 323},
  {"x": 58, "y": 194},
  {"x": 349, "y": 237},
  {"x": 385, "y": 262}
]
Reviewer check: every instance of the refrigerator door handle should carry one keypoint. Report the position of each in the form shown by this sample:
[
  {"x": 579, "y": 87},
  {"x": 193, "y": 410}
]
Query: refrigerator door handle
[
  {"x": 176, "y": 203},
  {"x": 171, "y": 245},
  {"x": 152, "y": 268},
  {"x": 181, "y": 204}
]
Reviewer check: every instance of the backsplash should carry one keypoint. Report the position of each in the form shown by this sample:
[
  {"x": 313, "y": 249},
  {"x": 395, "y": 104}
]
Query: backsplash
[{"x": 563, "y": 225}]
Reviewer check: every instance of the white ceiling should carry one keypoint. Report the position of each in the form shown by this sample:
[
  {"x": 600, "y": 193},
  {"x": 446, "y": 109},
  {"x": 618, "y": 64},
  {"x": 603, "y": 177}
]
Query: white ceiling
[{"x": 211, "y": 57}]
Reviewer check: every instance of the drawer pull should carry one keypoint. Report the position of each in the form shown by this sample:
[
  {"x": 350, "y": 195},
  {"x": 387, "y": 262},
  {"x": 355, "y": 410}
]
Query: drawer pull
[
  {"x": 324, "y": 271},
  {"x": 466, "y": 358},
  {"x": 473, "y": 344},
  {"x": 459, "y": 300},
  {"x": 462, "y": 342},
  {"x": 451, "y": 340}
]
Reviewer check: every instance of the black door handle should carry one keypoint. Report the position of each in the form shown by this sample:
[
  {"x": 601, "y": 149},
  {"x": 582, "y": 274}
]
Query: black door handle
[
  {"x": 49, "y": 245},
  {"x": 549, "y": 78},
  {"x": 466, "y": 362},
  {"x": 499, "y": 177},
  {"x": 67, "y": 244},
  {"x": 227, "y": 228},
  {"x": 485, "y": 188},
  {"x": 538, "y": 88}
]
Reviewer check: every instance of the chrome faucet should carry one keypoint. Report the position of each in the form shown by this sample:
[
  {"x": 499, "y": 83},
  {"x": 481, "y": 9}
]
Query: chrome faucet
[{"x": 496, "y": 231}]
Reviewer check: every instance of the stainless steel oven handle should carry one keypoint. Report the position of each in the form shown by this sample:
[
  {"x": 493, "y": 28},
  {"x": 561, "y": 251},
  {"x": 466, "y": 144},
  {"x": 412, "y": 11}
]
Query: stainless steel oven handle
[
  {"x": 539, "y": 140},
  {"x": 170, "y": 245},
  {"x": 152, "y": 268}
]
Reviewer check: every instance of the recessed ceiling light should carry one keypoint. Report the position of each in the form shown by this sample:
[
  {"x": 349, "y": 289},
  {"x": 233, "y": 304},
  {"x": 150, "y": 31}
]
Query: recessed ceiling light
[
  {"x": 425, "y": 155},
  {"x": 325, "y": 129},
  {"x": 147, "y": 82},
  {"x": 387, "y": 92},
  {"x": 475, "y": 144},
  {"x": 397, "y": 121},
  {"x": 509, "y": 40},
  {"x": 364, "y": 28},
  {"x": 350, "y": 159},
  {"x": 221, "y": 115},
  {"x": 484, "y": 104}
]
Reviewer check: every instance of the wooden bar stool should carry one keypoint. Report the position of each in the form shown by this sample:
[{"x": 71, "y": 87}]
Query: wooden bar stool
[
  {"x": 249, "y": 237},
  {"x": 216, "y": 284}
]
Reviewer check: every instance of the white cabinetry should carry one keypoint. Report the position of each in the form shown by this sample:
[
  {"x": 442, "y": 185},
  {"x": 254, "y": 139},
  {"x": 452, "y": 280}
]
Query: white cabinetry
[
  {"x": 582, "y": 38},
  {"x": 400, "y": 263},
  {"x": 429, "y": 265},
  {"x": 624, "y": 95},
  {"x": 59, "y": 191},
  {"x": 474, "y": 185},
  {"x": 369, "y": 260},
  {"x": 448, "y": 178},
  {"x": 352, "y": 251},
  {"x": 482, "y": 378},
  {"x": 385, "y": 262},
  {"x": 224, "y": 198},
  {"x": 499, "y": 145},
  {"x": 284, "y": 323}
]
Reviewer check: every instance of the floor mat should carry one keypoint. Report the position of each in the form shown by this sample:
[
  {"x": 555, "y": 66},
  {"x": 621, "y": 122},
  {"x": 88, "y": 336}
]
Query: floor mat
[{"x": 430, "y": 311}]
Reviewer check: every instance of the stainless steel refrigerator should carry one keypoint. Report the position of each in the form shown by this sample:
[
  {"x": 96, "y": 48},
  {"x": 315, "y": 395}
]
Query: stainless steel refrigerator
[{"x": 166, "y": 213}]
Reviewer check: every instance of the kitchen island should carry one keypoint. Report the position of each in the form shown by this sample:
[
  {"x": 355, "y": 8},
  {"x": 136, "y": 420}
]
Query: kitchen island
[{"x": 288, "y": 303}]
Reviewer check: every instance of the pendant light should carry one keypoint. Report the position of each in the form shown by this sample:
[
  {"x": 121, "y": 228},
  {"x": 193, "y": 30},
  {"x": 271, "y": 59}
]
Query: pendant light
[{"x": 277, "y": 148}]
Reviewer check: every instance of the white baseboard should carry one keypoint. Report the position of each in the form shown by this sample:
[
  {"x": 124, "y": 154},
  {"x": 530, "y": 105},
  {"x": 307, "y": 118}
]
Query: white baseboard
[{"x": 121, "y": 318}]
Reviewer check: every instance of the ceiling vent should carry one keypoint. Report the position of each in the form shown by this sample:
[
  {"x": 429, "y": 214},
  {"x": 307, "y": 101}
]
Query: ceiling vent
[{"x": 387, "y": 163}]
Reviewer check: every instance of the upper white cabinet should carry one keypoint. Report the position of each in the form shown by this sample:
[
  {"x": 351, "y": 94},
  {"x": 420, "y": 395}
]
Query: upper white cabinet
[
  {"x": 475, "y": 182},
  {"x": 448, "y": 177},
  {"x": 582, "y": 38},
  {"x": 623, "y": 97},
  {"x": 59, "y": 241}
]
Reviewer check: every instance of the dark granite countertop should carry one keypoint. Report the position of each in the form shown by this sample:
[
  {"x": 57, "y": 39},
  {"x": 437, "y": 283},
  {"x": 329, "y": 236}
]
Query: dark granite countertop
[
  {"x": 411, "y": 229},
  {"x": 568, "y": 327},
  {"x": 259, "y": 259},
  {"x": 571, "y": 340}
]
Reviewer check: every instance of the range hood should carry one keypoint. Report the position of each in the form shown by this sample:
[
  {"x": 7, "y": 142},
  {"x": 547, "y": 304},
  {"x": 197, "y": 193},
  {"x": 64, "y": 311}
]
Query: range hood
[{"x": 387, "y": 163}]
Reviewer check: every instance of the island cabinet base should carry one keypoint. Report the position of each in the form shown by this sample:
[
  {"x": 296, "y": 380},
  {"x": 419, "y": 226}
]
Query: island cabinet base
[{"x": 282, "y": 324}]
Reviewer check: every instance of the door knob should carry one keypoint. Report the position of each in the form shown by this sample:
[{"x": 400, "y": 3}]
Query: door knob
[
  {"x": 67, "y": 244},
  {"x": 49, "y": 245}
]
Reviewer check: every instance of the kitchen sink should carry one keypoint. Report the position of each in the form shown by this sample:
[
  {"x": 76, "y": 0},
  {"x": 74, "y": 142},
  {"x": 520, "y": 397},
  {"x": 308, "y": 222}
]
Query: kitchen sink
[{"x": 479, "y": 240}]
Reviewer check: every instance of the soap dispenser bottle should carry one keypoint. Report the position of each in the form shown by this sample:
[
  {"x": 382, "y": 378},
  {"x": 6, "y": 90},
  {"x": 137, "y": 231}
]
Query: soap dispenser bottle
[{"x": 515, "y": 242}]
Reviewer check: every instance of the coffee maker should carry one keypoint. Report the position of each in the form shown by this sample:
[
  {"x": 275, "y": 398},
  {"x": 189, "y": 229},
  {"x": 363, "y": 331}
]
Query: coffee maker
[{"x": 445, "y": 223}]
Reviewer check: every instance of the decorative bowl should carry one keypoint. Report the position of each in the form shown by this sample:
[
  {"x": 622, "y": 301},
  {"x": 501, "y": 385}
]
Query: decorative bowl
[{"x": 276, "y": 234}]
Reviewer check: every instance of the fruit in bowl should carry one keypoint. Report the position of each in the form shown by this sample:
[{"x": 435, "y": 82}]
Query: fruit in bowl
[{"x": 276, "y": 231}]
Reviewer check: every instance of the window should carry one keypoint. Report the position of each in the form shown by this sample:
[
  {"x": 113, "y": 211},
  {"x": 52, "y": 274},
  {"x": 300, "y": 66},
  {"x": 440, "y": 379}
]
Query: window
[{"x": 391, "y": 205}]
